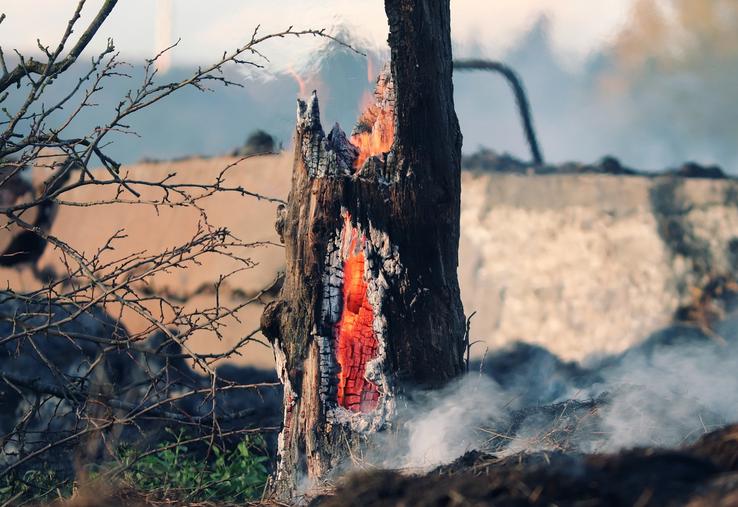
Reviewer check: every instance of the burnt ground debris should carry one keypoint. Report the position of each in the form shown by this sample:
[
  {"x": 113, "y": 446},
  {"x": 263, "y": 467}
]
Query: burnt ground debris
[
  {"x": 540, "y": 386},
  {"x": 701, "y": 474},
  {"x": 566, "y": 460}
]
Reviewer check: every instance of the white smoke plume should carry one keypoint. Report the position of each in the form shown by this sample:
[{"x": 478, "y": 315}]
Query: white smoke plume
[
  {"x": 666, "y": 392},
  {"x": 445, "y": 430}
]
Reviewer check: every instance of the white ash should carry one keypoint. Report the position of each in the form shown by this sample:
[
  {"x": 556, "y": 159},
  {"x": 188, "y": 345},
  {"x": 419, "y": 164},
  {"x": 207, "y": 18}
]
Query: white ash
[
  {"x": 323, "y": 156},
  {"x": 290, "y": 398}
]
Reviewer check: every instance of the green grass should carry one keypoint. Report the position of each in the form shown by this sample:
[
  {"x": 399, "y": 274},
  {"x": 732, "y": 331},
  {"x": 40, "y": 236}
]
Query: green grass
[
  {"x": 33, "y": 485},
  {"x": 172, "y": 471},
  {"x": 229, "y": 476}
]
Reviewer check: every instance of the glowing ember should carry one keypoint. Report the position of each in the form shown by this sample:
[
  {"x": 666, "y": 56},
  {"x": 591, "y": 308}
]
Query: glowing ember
[
  {"x": 355, "y": 339},
  {"x": 375, "y": 130}
]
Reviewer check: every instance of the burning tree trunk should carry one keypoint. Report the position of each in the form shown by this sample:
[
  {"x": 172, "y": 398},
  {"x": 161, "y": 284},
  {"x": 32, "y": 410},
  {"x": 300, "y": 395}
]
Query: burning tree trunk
[{"x": 370, "y": 301}]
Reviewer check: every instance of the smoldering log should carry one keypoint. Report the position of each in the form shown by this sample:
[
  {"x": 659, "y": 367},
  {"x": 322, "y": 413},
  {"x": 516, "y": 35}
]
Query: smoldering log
[
  {"x": 370, "y": 301},
  {"x": 332, "y": 359}
]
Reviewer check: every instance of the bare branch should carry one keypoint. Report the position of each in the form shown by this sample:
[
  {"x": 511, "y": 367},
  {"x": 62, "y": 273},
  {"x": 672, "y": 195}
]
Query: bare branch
[{"x": 54, "y": 68}]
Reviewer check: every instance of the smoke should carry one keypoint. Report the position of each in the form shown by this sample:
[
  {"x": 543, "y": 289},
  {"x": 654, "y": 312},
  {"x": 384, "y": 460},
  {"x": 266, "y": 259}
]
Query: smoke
[
  {"x": 658, "y": 92},
  {"x": 163, "y": 34},
  {"x": 662, "y": 92},
  {"x": 673, "y": 65},
  {"x": 666, "y": 392},
  {"x": 671, "y": 396},
  {"x": 445, "y": 430}
]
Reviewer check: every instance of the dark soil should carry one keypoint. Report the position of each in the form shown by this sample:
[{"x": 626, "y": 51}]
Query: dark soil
[{"x": 705, "y": 473}]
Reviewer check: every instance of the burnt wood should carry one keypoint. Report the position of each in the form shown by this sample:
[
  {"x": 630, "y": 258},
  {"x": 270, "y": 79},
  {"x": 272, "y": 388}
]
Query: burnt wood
[{"x": 405, "y": 206}]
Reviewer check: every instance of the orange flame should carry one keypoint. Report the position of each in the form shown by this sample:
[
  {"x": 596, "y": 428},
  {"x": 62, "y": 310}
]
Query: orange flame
[
  {"x": 300, "y": 82},
  {"x": 377, "y": 123},
  {"x": 356, "y": 341}
]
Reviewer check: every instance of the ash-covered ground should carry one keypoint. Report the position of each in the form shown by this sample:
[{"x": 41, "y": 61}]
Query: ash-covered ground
[
  {"x": 650, "y": 426},
  {"x": 702, "y": 474}
]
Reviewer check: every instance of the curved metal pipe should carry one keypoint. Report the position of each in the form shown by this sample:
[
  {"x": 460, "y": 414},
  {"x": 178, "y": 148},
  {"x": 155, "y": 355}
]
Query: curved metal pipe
[{"x": 520, "y": 97}]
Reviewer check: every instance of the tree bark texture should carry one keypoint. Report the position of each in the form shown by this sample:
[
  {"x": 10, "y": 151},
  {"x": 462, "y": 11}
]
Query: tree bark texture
[{"x": 370, "y": 303}]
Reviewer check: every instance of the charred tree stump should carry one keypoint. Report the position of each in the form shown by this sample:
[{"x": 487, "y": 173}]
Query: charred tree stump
[{"x": 370, "y": 301}]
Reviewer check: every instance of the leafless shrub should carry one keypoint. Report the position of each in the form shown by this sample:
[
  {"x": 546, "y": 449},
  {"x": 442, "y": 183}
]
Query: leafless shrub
[{"x": 72, "y": 377}]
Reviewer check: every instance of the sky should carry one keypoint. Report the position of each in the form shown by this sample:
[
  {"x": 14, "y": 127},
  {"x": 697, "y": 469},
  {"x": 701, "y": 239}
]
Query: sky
[
  {"x": 141, "y": 27},
  {"x": 569, "y": 54}
]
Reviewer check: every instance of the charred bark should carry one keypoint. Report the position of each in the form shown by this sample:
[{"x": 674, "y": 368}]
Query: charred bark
[{"x": 370, "y": 302}]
